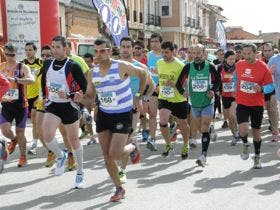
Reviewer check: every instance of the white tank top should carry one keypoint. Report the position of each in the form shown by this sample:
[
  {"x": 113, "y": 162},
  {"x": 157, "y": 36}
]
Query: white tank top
[{"x": 56, "y": 81}]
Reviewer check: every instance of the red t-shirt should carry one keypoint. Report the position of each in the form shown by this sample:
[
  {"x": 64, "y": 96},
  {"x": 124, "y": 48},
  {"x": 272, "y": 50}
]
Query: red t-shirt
[
  {"x": 249, "y": 75},
  {"x": 144, "y": 60}
]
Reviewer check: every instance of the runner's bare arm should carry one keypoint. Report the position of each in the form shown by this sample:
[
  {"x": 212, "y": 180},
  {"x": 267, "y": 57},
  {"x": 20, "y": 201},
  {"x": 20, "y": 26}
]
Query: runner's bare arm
[
  {"x": 127, "y": 69},
  {"x": 27, "y": 76},
  {"x": 90, "y": 94}
]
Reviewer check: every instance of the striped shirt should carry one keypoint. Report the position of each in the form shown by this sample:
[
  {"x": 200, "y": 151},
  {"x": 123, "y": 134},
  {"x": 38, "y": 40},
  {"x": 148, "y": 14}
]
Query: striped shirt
[{"x": 114, "y": 94}]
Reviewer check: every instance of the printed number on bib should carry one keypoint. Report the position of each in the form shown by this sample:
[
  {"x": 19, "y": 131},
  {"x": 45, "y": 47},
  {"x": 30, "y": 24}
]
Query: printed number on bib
[
  {"x": 54, "y": 88},
  {"x": 108, "y": 99},
  {"x": 228, "y": 87},
  {"x": 167, "y": 91},
  {"x": 247, "y": 87},
  {"x": 199, "y": 85},
  {"x": 12, "y": 94}
]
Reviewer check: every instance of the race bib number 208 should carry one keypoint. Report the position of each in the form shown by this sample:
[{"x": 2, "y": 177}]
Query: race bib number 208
[{"x": 247, "y": 87}]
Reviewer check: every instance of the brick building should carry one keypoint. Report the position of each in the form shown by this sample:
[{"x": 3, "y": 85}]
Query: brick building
[
  {"x": 273, "y": 37},
  {"x": 78, "y": 17}
]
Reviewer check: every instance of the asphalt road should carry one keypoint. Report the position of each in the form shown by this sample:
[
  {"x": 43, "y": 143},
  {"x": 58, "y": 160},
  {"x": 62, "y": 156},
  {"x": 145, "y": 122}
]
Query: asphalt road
[{"x": 156, "y": 183}]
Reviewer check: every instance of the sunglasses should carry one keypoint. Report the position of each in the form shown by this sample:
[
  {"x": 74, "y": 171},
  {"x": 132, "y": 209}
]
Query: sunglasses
[
  {"x": 101, "y": 51},
  {"x": 137, "y": 48},
  {"x": 10, "y": 54}
]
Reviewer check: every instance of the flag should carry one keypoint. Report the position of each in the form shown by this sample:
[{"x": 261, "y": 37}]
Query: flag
[
  {"x": 220, "y": 35},
  {"x": 113, "y": 15}
]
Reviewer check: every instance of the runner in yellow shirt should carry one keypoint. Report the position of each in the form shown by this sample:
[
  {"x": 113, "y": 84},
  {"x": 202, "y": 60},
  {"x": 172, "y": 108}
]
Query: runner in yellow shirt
[{"x": 35, "y": 65}]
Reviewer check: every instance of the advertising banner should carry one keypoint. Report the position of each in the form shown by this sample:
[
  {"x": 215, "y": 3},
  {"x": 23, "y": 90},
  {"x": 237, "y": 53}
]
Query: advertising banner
[
  {"x": 23, "y": 24},
  {"x": 113, "y": 15}
]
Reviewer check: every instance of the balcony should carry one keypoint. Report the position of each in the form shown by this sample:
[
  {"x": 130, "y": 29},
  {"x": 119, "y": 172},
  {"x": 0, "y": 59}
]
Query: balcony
[
  {"x": 187, "y": 21},
  {"x": 197, "y": 25},
  {"x": 153, "y": 20}
]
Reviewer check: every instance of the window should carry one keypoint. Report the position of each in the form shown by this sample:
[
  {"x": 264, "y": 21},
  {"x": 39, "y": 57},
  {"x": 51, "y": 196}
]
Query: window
[
  {"x": 140, "y": 17},
  {"x": 134, "y": 16},
  {"x": 165, "y": 10}
]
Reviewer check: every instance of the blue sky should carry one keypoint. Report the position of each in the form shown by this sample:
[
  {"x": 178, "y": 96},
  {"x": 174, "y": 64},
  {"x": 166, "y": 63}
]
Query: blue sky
[{"x": 252, "y": 15}]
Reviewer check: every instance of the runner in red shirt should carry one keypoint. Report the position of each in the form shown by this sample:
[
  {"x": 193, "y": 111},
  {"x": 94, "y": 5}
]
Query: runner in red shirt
[
  {"x": 227, "y": 69},
  {"x": 253, "y": 77}
]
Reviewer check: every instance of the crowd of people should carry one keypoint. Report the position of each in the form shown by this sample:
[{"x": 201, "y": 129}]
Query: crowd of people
[{"x": 124, "y": 89}]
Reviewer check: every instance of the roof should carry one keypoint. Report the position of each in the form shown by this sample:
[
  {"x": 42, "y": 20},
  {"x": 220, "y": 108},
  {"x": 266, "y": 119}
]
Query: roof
[
  {"x": 86, "y": 3},
  {"x": 82, "y": 3}
]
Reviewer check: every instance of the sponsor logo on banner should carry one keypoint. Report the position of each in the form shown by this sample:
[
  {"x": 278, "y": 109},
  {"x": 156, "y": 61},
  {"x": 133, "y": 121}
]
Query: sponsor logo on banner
[
  {"x": 113, "y": 15},
  {"x": 221, "y": 36}
]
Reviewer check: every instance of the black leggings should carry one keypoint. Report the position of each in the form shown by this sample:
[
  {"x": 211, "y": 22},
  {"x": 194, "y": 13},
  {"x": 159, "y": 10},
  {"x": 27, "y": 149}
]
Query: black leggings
[{"x": 217, "y": 105}]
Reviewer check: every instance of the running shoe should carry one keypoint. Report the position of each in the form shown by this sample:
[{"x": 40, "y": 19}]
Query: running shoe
[
  {"x": 118, "y": 195},
  {"x": 84, "y": 134},
  {"x": 257, "y": 162},
  {"x": 33, "y": 149},
  {"x": 12, "y": 146},
  {"x": 122, "y": 175},
  {"x": 151, "y": 145},
  {"x": 234, "y": 140},
  {"x": 185, "y": 151},
  {"x": 245, "y": 151},
  {"x": 60, "y": 168},
  {"x": 22, "y": 161},
  {"x": 168, "y": 149},
  {"x": 145, "y": 135},
  {"x": 71, "y": 162},
  {"x": 92, "y": 141},
  {"x": 193, "y": 143},
  {"x": 79, "y": 181},
  {"x": 201, "y": 161},
  {"x": 135, "y": 156},
  {"x": 50, "y": 160}
]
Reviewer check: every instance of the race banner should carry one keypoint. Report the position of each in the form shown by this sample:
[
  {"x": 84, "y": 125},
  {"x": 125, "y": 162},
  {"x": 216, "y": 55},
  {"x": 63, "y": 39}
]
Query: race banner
[
  {"x": 23, "y": 24},
  {"x": 220, "y": 35},
  {"x": 113, "y": 15}
]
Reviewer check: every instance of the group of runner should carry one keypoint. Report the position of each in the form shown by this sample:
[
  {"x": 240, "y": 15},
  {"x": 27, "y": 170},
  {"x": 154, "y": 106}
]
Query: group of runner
[{"x": 60, "y": 90}]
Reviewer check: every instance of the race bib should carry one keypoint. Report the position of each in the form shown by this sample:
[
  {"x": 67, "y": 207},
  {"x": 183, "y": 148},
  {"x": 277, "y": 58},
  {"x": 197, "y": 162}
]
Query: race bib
[
  {"x": 167, "y": 91},
  {"x": 247, "y": 87},
  {"x": 200, "y": 85},
  {"x": 228, "y": 87},
  {"x": 54, "y": 88},
  {"x": 108, "y": 99},
  {"x": 11, "y": 94}
]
